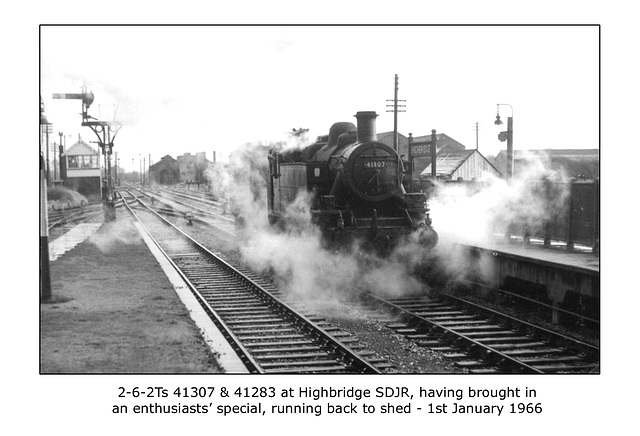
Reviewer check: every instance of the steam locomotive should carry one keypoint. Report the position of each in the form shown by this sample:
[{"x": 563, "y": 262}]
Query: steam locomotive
[{"x": 359, "y": 189}]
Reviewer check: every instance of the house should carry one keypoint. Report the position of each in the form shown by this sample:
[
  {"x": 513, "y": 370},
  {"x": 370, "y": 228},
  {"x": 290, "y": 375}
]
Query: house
[
  {"x": 420, "y": 147},
  {"x": 80, "y": 169},
  {"x": 464, "y": 165},
  {"x": 186, "y": 168},
  {"x": 568, "y": 163},
  {"x": 165, "y": 172},
  {"x": 192, "y": 167}
]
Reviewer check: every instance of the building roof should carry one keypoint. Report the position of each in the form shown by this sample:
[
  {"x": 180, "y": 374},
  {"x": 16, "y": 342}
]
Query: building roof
[
  {"x": 164, "y": 162},
  {"x": 80, "y": 148},
  {"x": 555, "y": 153},
  {"x": 440, "y": 137},
  {"x": 384, "y": 135},
  {"x": 387, "y": 138},
  {"x": 448, "y": 162}
]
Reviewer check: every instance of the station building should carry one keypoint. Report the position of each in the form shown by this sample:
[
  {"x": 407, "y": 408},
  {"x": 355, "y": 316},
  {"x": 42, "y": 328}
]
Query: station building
[{"x": 453, "y": 160}]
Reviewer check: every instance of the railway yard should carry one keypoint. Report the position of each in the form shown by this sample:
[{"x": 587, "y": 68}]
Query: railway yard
[
  {"x": 173, "y": 285},
  {"x": 245, "y": 227}
]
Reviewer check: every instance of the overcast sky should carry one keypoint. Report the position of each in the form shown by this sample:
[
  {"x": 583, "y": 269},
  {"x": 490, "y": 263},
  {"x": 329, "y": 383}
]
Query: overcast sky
[{"x": 190, "y": 89}]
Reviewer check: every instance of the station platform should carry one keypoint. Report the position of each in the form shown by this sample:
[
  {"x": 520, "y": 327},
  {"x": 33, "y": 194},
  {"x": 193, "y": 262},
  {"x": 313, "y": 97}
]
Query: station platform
[
  {"x": 117, "y": 307},
  {"x": 556, "y": 256},
  {"x": 565, "y": 279}
]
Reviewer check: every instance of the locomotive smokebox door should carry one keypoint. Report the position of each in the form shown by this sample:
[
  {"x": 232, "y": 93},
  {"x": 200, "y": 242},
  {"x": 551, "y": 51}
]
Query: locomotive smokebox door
[{"x": 372, "y": 171}]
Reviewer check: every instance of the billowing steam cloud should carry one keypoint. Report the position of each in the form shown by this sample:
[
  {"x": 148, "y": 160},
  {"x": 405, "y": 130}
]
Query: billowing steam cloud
[
  {"x": 307, "y": 269},
  {"x": 115, "y": 233},
  {"x": 296, "y": 256},
  {"x": 530, "y": 200},
  {"x": 486, "y": 215}
]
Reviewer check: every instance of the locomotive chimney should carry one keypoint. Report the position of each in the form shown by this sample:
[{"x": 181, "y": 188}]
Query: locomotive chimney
[{"x": 366, "y": 126}]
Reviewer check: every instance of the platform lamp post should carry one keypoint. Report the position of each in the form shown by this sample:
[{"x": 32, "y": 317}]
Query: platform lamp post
[
  {"x": 106, "y": 133},
  {"x": 45, "y": 274},
  {"x": 507, "y": 136}
]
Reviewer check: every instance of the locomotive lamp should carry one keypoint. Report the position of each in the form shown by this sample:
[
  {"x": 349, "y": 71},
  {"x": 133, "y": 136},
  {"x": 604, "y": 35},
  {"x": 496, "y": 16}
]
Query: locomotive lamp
[{"x": 507, "y": 136}]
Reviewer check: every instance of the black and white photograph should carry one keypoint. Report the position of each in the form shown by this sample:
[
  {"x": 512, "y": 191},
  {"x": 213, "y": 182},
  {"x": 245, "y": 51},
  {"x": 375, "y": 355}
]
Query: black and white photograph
[
  {"x": 325, "y": 221},
  {"x": 320, "y": 199}
]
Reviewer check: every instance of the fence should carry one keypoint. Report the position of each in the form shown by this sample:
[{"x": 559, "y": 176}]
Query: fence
[{"x": 572, "y": 213}]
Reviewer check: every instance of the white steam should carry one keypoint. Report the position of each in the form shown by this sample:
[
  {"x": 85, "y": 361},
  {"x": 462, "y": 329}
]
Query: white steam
[
  {"x": 486, "y": 214},
  {"x": 305, "y": 268},
  {"x": 476, "y": 216},
  {"x": 296, "y": 256},
  {"x": 115, "y": 233}
]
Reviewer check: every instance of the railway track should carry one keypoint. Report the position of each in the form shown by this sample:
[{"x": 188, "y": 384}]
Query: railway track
[
  {"x": 200, "y": 197},
  {"x": 61, "y": 221},
  {"x": 486, "y": 341},
  {"x": 483, "y": 340},
  {"x": 266, "y": 333},
  {"x": 166, "y": 203}
]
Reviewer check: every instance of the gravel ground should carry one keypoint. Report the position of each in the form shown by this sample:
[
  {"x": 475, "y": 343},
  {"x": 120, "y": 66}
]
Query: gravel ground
[{"x": 404, "y": 354}]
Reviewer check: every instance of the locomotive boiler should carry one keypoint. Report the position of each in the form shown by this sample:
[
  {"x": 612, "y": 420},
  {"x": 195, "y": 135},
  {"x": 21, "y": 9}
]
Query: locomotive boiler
[{"x": 359, "y": 188}]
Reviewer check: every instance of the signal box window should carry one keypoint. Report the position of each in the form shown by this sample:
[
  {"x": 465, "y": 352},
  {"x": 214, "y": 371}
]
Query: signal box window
[{"x": 83, "y": 162}]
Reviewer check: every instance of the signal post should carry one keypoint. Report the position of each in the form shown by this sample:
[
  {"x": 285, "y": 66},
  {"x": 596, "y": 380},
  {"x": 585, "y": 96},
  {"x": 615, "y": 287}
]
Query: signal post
[{"x": 106, "y": 133}]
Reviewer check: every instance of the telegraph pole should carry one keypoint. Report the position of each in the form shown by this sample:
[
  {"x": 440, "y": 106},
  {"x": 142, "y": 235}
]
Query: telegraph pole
[
  {"x": 116, "y": 176},
  {"x": 61, "y": 134},
  {"x": 476, "y": 128},
  {"x": 48, "y": 130},
  {"x": 395, "y": 111},
  {"x": 54, "y": 148}
]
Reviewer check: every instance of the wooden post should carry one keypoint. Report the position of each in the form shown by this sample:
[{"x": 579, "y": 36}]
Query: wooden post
[
  {"x": 45, "y": 275},
  {"x": 433, "y": 154}
]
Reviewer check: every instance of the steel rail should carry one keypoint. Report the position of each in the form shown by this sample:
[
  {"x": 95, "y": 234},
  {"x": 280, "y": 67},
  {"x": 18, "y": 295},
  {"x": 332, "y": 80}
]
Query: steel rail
[
  {"x": 530, "y": 300},
  {"x": 349, "y": 358},
  {"x": 196, "y": 208},
  {"x": 235, "y": 343},
  {"x": 171, "y": 211},
  {"x": 583, "y": 346},
  {"x": 74, "y": 215},
  {"x": 494, "y": 357}
]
